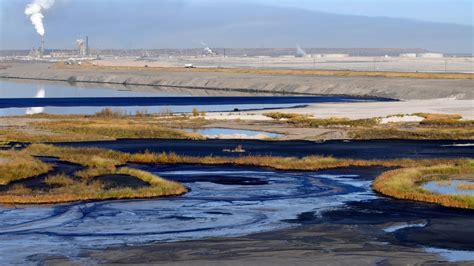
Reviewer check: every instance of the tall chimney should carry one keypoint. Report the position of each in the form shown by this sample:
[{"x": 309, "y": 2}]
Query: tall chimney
[
  {"x": 87, "y": 46},
  {"x": 42, "y": 47}
]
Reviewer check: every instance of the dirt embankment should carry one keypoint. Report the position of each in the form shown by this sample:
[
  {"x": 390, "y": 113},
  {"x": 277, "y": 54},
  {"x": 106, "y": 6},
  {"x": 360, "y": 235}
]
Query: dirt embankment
[{"x": 396, "y": 87}]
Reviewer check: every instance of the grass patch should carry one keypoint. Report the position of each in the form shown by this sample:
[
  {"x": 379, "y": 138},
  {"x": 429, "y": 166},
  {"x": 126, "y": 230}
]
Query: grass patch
[
  {"x": 58, "y": 180},
  {"x": 106, "y": 162},
  {"x": 107, "y": 124},
  {"x": 64, "y": 188},
  {"x": 444, "y": 120},
  {"x": 17, "y": 165},
  {"x": 308, "y": 121},
  {"x": 434, "y": 126},
  {"x": 407, "y": 183},
  {"x": 466, "y": 186},
  {"x": 308, "y": 163},
  {"x": 112, "y": 129},
  {"x": 416, "y": 133}
]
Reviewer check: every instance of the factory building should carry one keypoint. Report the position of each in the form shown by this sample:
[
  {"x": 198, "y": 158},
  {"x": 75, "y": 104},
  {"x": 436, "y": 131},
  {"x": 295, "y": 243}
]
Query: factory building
[
  {"x": 35, "y": 53},
  {"x": 408, "y": 55},
  {"x": 82, "y": 46},
  {"x": 430, "y": 55},
  {"x": 335, "y": 55},
  {"x": 422, "y": 55}
]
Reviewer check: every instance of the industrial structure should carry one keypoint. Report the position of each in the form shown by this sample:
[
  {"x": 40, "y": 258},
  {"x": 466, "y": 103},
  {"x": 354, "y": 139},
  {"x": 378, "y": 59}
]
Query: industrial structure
[
  {"x": 422, "y": 55},
  {"x": 42, "y": 47},
  {"x": 83, "y": 47}
]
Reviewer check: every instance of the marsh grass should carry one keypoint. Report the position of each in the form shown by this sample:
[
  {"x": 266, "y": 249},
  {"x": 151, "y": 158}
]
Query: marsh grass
[
  {"x": 101, "y": 162},
  {"x": 465, "y": 186},
  {"x": 309, "y": 121},
  {"x": 444, "y": 120},
  {"x": 407, "y": 183},
  {"x": 444, "y": 182},
  {"x": 111, "y": 113},
  {"x": 17, "y": 165},
  {"x": 308, "y": 163},
  {"x": 416, "y": 133},
  {"x": 59, "y": 180},
  {"x": 98, "y": 162},
  {"x": 112, "y": 129},
  {"x": 434, "y": 126},
  {"x": 105, "y": 125}
]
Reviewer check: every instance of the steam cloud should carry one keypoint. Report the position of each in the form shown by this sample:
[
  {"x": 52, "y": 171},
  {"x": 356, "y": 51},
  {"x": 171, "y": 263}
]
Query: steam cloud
[{"x": 34, "y": 12}]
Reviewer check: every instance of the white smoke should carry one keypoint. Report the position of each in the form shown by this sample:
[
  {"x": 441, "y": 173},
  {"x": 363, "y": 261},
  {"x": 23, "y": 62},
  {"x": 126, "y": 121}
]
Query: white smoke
[{"x": 34, "y": 12}]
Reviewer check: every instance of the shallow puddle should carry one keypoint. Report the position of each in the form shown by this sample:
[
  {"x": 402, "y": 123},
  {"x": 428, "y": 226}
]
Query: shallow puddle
[
  {"x": 226, "y": 133},
  {"x": 454, "y": 187}
]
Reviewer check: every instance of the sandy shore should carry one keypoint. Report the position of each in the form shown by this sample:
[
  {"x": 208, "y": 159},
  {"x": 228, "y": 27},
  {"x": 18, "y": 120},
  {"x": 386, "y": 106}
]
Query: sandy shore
[{"x": 363, "y": 110}]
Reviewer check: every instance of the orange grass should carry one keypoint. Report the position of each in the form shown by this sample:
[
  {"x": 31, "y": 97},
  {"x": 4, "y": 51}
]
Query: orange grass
[
  {"x": 98, "y": 162},
  {"x": 466, "y": 186},
  {"x": 292, "y": 72},
  {"x": 406, "y": 183},
  {"x": 16, "y": 165}
]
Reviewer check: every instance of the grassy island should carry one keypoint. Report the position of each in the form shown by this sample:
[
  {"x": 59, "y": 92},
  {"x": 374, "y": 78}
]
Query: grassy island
[
  {"x": 97, "y": 175},
  {"x": 407, "y": 183}
]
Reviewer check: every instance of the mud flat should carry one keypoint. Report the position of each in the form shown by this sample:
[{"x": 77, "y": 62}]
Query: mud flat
[
  {"x": 397, "y": 88},
  {"x": 358, "y": 110}
]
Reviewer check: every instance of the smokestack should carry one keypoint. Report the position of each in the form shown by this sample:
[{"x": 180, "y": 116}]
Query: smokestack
[
  {"x": 87, "y": 46},
  {"x": 42, "y": 47}
]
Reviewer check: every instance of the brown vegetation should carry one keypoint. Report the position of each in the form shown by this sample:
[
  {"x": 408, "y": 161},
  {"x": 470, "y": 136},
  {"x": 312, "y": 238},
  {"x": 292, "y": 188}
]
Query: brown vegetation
[
  {"x": 465, "y": 186},
  {"x": 444, "y": 120},
  {"x": 415, "y": 133},
  {"x": 406, "y": 183},
  {"x": 101, "y": 162},
  {"x": 292, "y": 72},
  {"x": 81, "y": 186},
  {"x": 16, "y": 165},
  {"x": 105, "y": 125},
  {"x": 308, "y": 121}
]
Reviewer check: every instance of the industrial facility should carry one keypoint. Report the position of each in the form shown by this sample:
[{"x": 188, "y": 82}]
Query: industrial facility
[{"x": 82, "y": 50}]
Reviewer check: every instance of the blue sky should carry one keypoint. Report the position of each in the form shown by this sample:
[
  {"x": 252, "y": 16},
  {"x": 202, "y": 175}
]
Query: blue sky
[
  {"x": 246, "y": 23},
  {"x": 448, "y": 11}
]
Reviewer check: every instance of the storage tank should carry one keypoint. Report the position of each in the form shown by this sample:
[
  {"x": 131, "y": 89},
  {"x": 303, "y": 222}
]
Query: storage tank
[
  {"x": 335, "y": 55},
  {"x": 408, "y": 55},
  {"x": 430, "y": 55}
]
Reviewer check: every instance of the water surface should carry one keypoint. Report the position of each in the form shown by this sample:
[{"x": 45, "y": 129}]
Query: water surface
[
  {"x": 227, "y": 133},
  {"x": 450, "y": 188},
  {"x": 19, "y": 98},
  {"x": 222, "y": 202}
]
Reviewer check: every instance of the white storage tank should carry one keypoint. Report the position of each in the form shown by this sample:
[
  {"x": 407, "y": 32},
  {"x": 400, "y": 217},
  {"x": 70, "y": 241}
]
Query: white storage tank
[
  {"x": 336, "y": 55},
  {"x": 430, "y": 55},
  {"x": 408, "y": 55}
]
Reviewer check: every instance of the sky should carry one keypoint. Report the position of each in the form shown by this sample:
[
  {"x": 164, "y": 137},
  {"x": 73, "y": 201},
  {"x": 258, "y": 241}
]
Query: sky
[
  {"x": 438, "y": 25},
  {"x": 448, "y": 11}
]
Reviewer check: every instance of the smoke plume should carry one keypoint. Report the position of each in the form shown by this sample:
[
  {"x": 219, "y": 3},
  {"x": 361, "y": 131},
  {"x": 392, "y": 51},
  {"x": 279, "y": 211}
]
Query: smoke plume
[{"x": 34, "y": 12}]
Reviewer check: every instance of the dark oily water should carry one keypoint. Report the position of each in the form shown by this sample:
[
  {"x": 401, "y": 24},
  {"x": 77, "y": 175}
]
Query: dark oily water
[
  {"x": 223, "y": 201},
  {"x": 357, "y": 149},
  {"x": 228, "y": 201}
]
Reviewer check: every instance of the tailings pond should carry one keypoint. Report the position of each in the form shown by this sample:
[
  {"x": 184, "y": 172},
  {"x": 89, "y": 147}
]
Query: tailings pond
[
  {"x": 230, "y": 201},
  {"x": 20, "y": 98}
]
